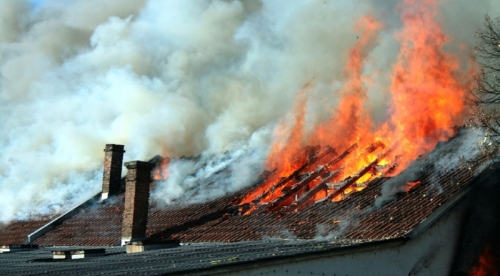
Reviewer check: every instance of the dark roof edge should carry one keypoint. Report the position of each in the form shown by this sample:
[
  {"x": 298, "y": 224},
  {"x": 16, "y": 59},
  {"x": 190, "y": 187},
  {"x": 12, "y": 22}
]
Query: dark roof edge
[
  {"x": 60, "y": 219},
  {"x": 262, "y": 262},
  {"x": 450, "y": 203}
]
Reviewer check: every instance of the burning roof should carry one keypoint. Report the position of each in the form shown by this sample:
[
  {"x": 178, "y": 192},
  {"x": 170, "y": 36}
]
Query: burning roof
[
  {"x": 383, "y": 208},
  {"x": 346, "y": 177},
  {"x": 336, "y": 174}
]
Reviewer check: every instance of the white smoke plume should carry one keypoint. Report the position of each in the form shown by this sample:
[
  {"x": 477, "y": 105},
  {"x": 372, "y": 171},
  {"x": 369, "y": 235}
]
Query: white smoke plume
[{"x": 168, "y": 77}]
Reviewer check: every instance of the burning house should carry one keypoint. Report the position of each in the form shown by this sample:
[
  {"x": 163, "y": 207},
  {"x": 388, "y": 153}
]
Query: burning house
[
  {"x": 349, "y": 161},
  {"x": 434, "y": 217}
]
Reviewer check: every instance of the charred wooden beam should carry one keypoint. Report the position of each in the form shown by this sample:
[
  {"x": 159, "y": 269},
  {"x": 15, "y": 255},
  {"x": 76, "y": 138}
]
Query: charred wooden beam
[
  {"x": 311, "y": 193},
  {"x": 278, "y": 203},
  {"x": 284, "y": 181},
  {"x": 353, "y": 180},
  {"x": 314, "y": 161},
  {"x": 371, "y": 148}
]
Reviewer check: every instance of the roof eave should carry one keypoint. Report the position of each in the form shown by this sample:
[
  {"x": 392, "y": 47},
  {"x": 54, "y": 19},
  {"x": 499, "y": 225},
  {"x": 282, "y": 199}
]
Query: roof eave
[{"x": 443, "y": 209}]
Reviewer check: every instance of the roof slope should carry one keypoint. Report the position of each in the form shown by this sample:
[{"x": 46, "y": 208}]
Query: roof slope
[
  {"x": 97, "y": 224},
  {"x": 353, "y": 218},
  {"x": 16, "y": 232},
  {"x": 361, "y": 215},
  {"x": 178, "y": 260}
]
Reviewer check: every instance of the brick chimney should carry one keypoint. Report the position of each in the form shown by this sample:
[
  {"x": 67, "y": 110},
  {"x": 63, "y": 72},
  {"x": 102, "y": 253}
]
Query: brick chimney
[
  {"x": 135, "y": 214},
  {"x": 111, "y": 179}
]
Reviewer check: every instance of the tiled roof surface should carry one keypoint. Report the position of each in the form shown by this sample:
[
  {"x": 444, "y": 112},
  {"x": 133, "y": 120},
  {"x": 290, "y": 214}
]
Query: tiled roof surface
[
  {"x": 354, "y": 217},
  {"x": 178, "y": 260},
  {"x": 211, "y": 222},
  {"x": 357, "y": 216},
  {"x": 402, "y": 214},
  {"x": 16, "y": 231},
  {"x": 98, "y": 224}
]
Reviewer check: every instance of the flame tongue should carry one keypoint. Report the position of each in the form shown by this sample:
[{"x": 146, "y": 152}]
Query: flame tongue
[
  {"x": 294, "y": 191},
  {"x": 160, "y": 172},
  {"x": 428, "y": 98}
]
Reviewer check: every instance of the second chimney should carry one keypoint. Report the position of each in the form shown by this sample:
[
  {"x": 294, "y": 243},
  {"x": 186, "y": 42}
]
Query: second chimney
[
  {"x": 111, "y": 179},
  {"x": 135, "y": 214}
]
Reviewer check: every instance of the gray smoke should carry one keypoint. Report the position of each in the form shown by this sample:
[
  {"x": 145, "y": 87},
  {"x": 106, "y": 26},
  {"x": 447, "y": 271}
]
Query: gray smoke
[
  {"x": 461, "y": 151},
  {"x": 169, "y": 77},
  {"x": 209, "y": 176}
]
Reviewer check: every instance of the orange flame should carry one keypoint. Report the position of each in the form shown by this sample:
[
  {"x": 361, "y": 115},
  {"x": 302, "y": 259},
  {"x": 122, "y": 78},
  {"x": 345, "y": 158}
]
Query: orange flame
[
  {"x": 428, "y": 100},
  {"x": 428, "y": 95},
  {"x": 160, "y": 172},
  {"x": 410, "y": 185},
  {"x": 287, "y": 156}
]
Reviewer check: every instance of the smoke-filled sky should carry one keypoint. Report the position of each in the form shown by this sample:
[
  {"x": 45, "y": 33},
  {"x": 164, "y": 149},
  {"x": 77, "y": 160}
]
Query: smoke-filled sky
[{"x": 176, "y": 78}]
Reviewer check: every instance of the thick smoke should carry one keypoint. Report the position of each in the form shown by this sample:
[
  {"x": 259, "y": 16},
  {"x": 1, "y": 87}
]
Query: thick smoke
[{"x": 173, "y": 78}]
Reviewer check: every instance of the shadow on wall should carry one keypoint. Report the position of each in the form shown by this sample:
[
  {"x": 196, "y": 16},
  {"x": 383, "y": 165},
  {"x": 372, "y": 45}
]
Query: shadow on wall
[{"x": 478, "y": 250}]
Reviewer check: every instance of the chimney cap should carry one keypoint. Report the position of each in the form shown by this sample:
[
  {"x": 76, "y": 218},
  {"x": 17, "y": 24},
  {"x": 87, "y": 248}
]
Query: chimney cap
[
  {"x": 139, "y": 164},
  {"x": 114, "y": 148}
]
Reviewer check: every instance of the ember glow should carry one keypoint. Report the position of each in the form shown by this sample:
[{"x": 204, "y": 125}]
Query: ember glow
[
  {"x": 344, "y": 154},
  {"x": 486, "y": 265}
]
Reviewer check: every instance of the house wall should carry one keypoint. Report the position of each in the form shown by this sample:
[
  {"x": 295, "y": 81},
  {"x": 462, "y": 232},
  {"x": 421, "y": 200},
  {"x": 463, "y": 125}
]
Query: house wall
[
  {"x": 479, "y": 233},
  {"x": 430, "y": 253}
]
